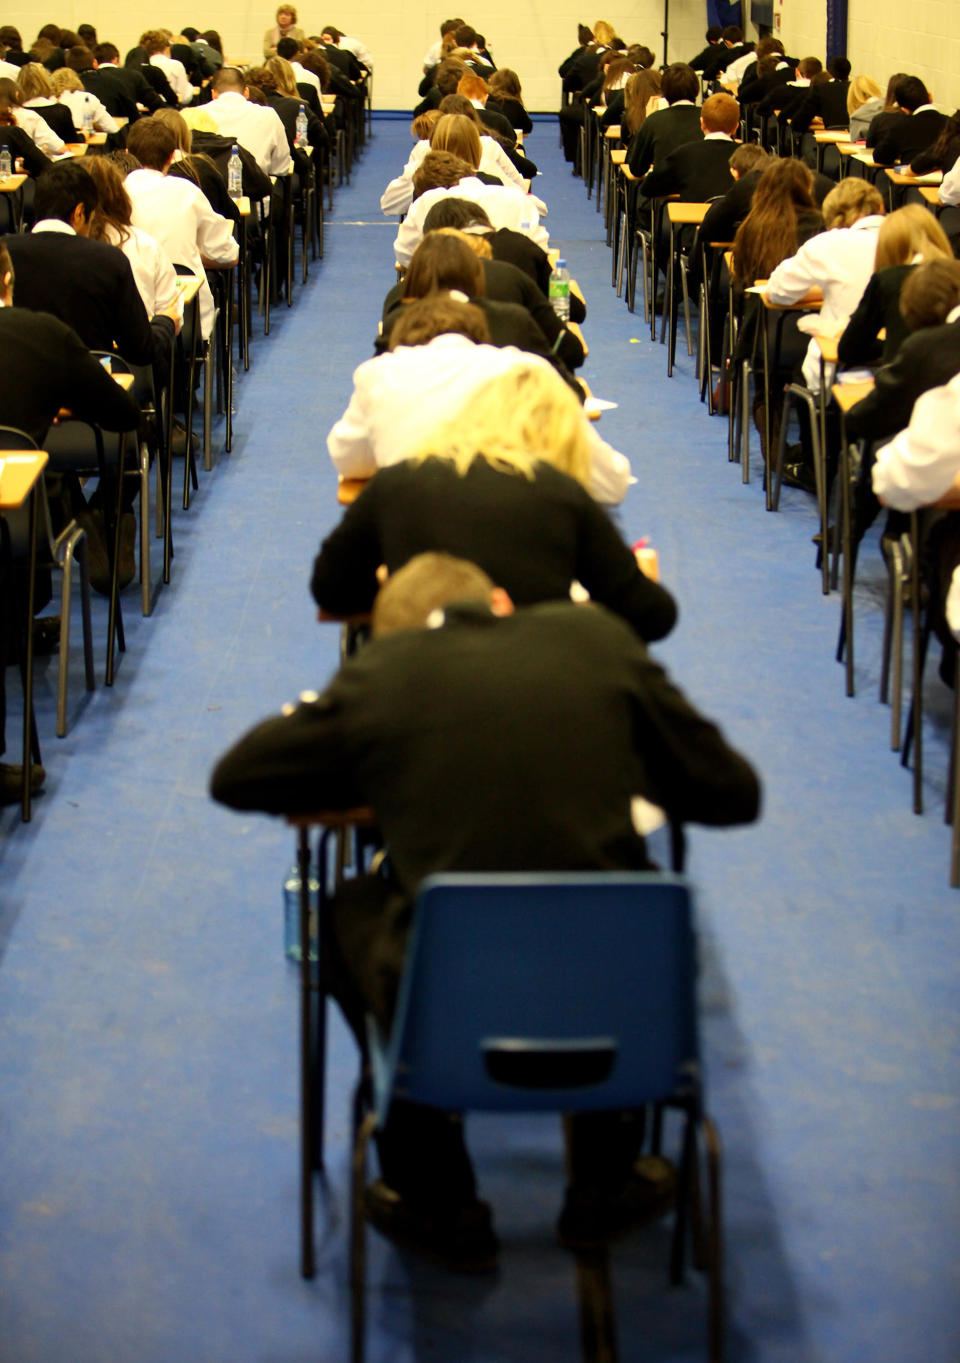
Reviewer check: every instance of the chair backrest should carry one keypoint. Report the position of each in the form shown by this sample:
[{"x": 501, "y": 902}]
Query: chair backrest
[{"x": 542, "y": 991}]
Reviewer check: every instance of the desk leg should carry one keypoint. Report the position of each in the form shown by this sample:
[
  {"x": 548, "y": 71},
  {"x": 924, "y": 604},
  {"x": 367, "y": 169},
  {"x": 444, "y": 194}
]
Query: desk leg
[
  {"x": 307, "y": 1265},
  {"x": 29, "y": 738},
  {"x": 847, "y": 551},
  {"x": 917, "y": 667}
]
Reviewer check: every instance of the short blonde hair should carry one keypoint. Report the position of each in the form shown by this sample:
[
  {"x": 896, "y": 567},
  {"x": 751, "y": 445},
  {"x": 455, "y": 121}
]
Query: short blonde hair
[
  {"x": 65, "y": 79},
  {"x": 854, "y": 198},
  {"x": 909, "y": 232},
  {"x": 515, "y": 421},
  {"x": 861, "y": 89},
  {"x": 477, "y": 242},
  {"x": 33, "y": 82},
  {"x": 603, "y": 33}
]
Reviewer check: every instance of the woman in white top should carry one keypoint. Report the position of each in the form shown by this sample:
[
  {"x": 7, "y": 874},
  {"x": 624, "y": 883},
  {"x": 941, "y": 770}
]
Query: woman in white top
[
  {"x": 839, "y": 261},
  {"x": 36, "y": 92},
  {"x": 152, "y": 268},
  {"x": 493, "y": 160},
  {"x": 68, "y": 89},
  {"x": 39, "y": 132}
]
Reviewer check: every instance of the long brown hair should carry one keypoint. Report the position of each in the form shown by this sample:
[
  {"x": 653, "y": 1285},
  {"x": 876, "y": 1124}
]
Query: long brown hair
[
  {"x": 640, "y": 89},
  {"x": 768, "y": 234},
  {"x": 111, "y": 219}
]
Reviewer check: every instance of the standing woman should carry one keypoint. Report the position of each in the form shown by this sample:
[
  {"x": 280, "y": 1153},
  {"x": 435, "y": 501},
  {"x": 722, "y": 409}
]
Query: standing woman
[{"x": 285, "y": 27}]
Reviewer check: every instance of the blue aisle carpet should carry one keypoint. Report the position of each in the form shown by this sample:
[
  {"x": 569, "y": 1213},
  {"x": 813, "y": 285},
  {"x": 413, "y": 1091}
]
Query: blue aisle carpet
[{"x": 148, "y": 1110}]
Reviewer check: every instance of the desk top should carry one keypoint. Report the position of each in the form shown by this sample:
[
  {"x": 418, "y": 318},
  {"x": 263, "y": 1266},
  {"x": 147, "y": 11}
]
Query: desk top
[
  {"x": 686, "y": 213},
  {"x": 10, "y": 183},
  {"x": 349, "y": 489},
  {"x": 613, "y": 132},
  {"x": 847, "y": 395},
  {"x": 905, "y": 178},
  {"x": 931, "y": 195},
  {"x": 848, "y": 148},
  {"x": 832, "y": 135},
  {"x": 810, "y": 302},
  {"x": 188, "y": 286},
  {"x": 19, "y": 471},
  {"x": 618, "y": 155},
  {"x": 73, "y": 149},
  {"x": 828, "y": 348}
]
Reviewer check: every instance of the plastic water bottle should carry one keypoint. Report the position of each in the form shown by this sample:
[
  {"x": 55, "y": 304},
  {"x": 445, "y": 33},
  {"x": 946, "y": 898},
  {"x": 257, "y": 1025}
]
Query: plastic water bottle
[
  {"x": 301, "y": 138},
  {"x": 560, "y": 290},
  {"x": 87, "y": 120},
  {"x": 6, "y": 165},
  {"x": 235, "y": 174},
  {"x": 291, "y": 912}
]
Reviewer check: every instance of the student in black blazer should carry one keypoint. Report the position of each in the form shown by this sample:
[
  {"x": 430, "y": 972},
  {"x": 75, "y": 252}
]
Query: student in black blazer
[
  {"x": 120, "y": 88},
  {"x": 918, "y": 129},
  {"x": 87, "y": 284},
  {"x": 700, "y": 170},
  {"x": 663, "y": 131}
]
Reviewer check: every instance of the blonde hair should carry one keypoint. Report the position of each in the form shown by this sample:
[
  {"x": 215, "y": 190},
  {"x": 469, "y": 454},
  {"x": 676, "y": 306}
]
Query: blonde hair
[
  {"x": 472, "y": 85},
  {"x": 178, "y": 125},
  {"x": 603, "y": 33},
  {"x": 65, "y": 79},
  {"x": 519, "y": 419},
  {"x": 911, "y": 231},
  {"x": 861, "y": 89},
  {"x": 852, "y": 200},
  {"x": 33, "y": 82},
  {"x": 285, "y": 76},
  {"x": 457, "y": 134},
  {"x": 287, "y": 9}
]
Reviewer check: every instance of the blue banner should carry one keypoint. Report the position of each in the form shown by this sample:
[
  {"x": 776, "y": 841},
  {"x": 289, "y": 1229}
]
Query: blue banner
[
  {"x": 722, "y": 12},
  {"x": 836, "y": 28}
]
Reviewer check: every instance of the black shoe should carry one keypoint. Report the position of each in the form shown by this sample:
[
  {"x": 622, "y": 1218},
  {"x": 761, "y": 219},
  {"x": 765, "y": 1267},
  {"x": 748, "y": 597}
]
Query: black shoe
[
  {"x": 46, "y": 635},
  {"x": 11, "y": 782},
  {"x": 178, "y": 445},
  {"x": 591, "y": 1218},
  {"x": 801, "y": 476},
  {"x": 462, "y": 1239}
]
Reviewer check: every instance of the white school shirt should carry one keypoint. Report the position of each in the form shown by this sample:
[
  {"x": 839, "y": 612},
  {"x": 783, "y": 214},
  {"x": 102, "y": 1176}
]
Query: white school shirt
[
  {"x": 79, "y": 100},
  {"x": 304, "y": 77},
  {"x": 950, "y": 186},
  {"x": 504, "y": 205},
  {"x": 178, "y": 215},
  {"x": 153, "y": 271},
  {"x": 255, "y": 127},
  {"x": 401, "y": 397},
  {"x": 355, "y": 46},
  {"x": 176, "y": 74},
  {"x": 840, "y": 262},
  {"x": 919, "y": 465},
  {"x": 39, "y": 130},
  {"x": 398, "y": 195}
]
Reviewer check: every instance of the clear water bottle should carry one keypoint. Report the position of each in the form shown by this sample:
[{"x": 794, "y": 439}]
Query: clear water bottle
[
  {"x": 235, "y": 174},
  {"x": 87, "y": 120},
  {"x": 301, "y": 138},
  {"x": 560, "y": 290},
  {"x": 6, "y": 165},
  {"x": 291, "y": 912}
]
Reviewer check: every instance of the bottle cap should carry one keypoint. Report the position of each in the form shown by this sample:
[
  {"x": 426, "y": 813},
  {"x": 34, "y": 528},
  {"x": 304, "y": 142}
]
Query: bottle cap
[{"x": 561, "y": 263}]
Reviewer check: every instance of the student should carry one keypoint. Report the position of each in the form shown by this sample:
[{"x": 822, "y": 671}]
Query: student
[{"x": 433, "y": 723}]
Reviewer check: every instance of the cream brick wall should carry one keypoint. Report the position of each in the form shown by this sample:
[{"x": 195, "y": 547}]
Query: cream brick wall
[{"x": 884, "y": 35}]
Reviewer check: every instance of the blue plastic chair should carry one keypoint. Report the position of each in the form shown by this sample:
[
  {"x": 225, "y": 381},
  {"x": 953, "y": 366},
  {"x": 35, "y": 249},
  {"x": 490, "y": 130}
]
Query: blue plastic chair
[{"x": 549, "y": 992}]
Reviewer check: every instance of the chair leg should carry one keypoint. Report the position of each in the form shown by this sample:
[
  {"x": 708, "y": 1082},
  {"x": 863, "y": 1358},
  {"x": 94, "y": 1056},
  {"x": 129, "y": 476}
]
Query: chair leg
[
  {"x": 678, "y": 1248},
  {"x": 357, "y": 1244},
  {"x": 745, "y": 418},
  {"x": 75, "y": 537},
  {"x": 145, "y": 603},
  {"x": 955, "y": 812},
  {"x": 307, "y": 1105},
  {"x": 598, "y": 1330},
  {"x": 717, "y": 1302}
]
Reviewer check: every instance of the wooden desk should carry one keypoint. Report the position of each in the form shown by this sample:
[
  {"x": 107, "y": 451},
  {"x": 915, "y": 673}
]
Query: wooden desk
[
  {"x": 20, "y": 473},
  {"x": 906, "y": 180},
  {"x": 13, "y": 184},
  {"x": 188, "y": 286},
  {"x": 574, "y": 327},
  {"x": 618, "y": 156},
  {"x": 120, "y": 121},
  {"x": 847, "y": 395},
  {"x": 73, "y": 149},
  {"x": 834, "y": 135},
  {"x": 680, "y": 215}
]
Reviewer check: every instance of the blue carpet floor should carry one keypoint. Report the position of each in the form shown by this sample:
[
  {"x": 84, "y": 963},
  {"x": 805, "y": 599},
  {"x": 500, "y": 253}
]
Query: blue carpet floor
[{"x": 148, "y": 1107}]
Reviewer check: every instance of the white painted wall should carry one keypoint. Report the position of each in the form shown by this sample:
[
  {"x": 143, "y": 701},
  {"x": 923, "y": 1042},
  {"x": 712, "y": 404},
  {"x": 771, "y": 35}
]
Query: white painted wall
[{"x": 885, "y": 35}]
